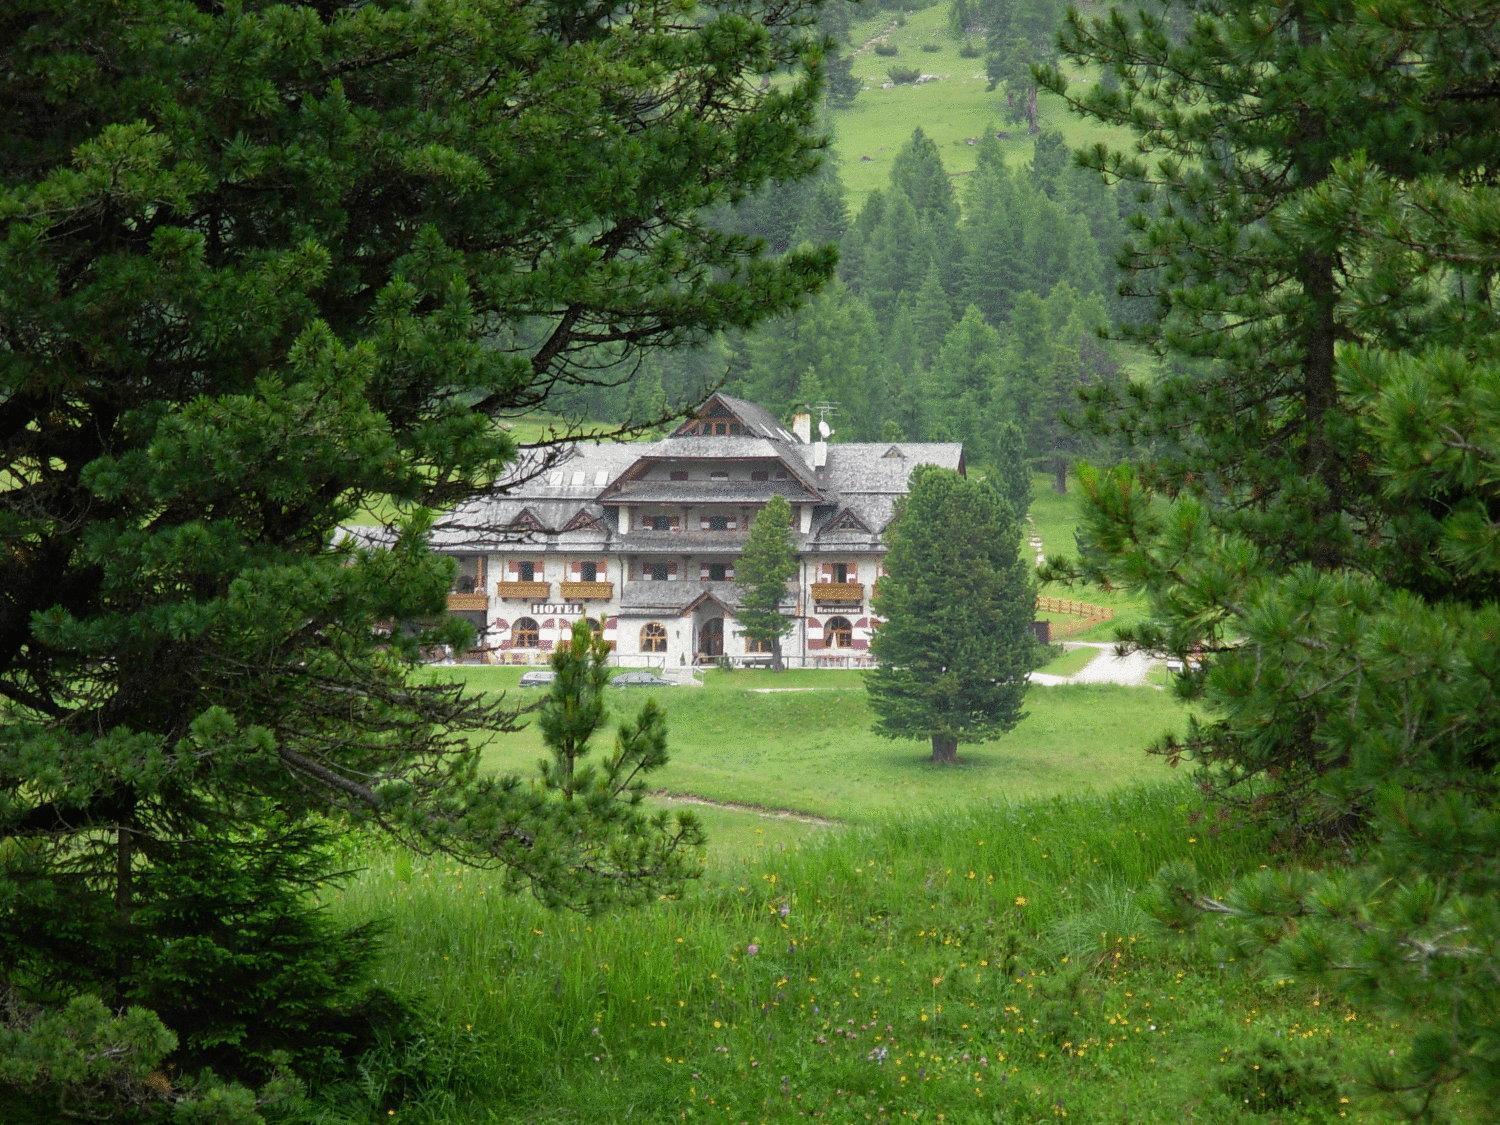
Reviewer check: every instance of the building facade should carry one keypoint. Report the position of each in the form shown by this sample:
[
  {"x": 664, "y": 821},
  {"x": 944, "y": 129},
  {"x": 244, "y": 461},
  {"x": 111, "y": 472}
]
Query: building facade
[{"x": 644, "y": 537}]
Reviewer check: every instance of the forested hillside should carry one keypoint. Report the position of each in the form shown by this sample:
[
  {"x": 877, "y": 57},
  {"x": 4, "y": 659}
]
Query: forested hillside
[{"x": 973, "y": 281}]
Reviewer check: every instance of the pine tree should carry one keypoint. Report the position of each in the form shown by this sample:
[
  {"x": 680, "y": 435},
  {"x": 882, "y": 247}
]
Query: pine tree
[
  {"x": 255, "y": 261},
  {"x": 761, "y": 575},
  {"x": 1255, "y": 299},
  {"x": 1324, "y": 265},
  {"x": 964, "y": 386},
  {"x": 954, "y": 643},
  {"x": 1012, "y": 468}
]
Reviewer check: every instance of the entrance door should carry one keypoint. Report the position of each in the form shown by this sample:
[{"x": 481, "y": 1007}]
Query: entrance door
[{"x": 711, "y": 638}]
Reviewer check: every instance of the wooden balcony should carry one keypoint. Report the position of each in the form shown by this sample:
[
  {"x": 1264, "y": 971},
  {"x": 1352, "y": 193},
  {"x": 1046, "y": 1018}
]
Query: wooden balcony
[
  {"x": 587, "y": 591},
  {"x": 524, "y": 591},
  {"x": 479, "y": 601},
  {"x": 846, "y": 593}
]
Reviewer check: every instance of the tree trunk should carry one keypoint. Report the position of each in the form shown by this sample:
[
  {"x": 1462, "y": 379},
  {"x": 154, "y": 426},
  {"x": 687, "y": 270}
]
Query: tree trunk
[
  {"x": 777, "y": 663},
  {"x": 124, "y": 905},
  {"x": 1060, "y": 476},
  {"x": 1031, "y": 112},
  {"x": 944, "y": 750}
]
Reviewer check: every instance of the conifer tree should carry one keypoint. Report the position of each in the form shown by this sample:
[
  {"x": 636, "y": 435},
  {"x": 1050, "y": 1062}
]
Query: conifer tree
[
  {"x": 1254, "y": 290},
  {"x": 1324, "y": 268},
  {"x": 261, "y": 265},
  {"x": 964, "y": 384},
  {"x": 761, "y": 574},
  {"x": 954, "y": 643}
]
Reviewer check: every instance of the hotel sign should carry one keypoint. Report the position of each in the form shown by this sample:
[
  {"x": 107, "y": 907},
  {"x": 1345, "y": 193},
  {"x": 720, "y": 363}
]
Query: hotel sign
[{"x": 556, "y": 609}]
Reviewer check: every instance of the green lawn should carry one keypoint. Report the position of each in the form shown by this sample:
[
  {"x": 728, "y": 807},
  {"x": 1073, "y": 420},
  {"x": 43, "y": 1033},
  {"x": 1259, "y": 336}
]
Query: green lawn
[{"x": 814, "y": 751}]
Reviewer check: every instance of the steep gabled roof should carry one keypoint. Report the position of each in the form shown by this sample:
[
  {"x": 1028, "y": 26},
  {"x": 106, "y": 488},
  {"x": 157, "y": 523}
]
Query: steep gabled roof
[
  {"x": 756, "y": 419},
  {"x": 845, "y": 519}
]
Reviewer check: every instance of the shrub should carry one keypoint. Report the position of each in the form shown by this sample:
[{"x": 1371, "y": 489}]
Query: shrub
[
  {"x": 904, "y": 75},
  {"x": 887, "y": 50},
  {"x": 970, "y": 50},
  {"x": 931, "y": 48},
  {"x": 84, "y": 1061},
  {"x": 1267, "y": 1078}
]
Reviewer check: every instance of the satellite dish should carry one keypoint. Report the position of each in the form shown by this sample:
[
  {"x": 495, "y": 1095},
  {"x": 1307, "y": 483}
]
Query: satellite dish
[{"x": 823, "y": 430}]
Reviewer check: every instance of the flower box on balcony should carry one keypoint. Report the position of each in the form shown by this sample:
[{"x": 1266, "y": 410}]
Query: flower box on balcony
[
  {"x": 587, "y": 591},
  {"x": 478, "y": 601},
  {"x": 524, "y": 591},
  {"x": 841, "y": 593}
]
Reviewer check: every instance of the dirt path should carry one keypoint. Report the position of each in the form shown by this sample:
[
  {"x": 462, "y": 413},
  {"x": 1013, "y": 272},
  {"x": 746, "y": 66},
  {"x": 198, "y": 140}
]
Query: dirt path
[
  {"x": 1130, "y": 670},
  {"x": 766, "y": 811}
]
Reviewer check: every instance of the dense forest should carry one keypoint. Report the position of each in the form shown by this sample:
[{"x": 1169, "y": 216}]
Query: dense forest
[{"x": 960, "y": 308}]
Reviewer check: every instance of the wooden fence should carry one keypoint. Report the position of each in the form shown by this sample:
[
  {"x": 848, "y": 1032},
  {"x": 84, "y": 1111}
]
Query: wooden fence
[{"x": 1088, "y": 615}]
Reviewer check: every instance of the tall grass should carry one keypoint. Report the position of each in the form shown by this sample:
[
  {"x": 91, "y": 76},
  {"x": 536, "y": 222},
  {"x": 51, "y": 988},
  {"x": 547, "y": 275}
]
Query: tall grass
[{"x": 992, "y": 962}]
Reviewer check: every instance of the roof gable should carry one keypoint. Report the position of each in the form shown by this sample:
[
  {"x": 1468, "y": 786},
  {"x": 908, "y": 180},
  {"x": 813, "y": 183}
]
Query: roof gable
[
  {"x": 845, "y": 520},
  {"x": 583, "y": 520},
  {"x": 526, "y": 520},
  {"x": 740, "y": 418}
]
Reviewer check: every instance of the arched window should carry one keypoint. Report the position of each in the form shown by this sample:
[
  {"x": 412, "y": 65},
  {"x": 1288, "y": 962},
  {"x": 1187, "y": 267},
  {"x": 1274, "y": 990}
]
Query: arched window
[
  {"x": 653, "y": 637},
  {"x": 524, "y": 633},
  {"x": 838, "y": 633}
]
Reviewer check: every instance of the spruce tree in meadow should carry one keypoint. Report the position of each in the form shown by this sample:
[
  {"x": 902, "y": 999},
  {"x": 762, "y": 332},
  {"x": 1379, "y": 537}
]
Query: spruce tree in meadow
[
  {"x": 762, "y": 573},
  {"x": 955, "y": 605},
  {"x": 262, "y": 266}
]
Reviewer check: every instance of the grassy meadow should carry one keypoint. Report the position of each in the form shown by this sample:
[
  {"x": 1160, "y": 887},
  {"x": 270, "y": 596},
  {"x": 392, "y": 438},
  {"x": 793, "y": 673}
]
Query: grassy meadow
[
  {"x": 953, "y": 110},
  {"x": 873, "y": 938},
  {"x": 988, "y": 963}
]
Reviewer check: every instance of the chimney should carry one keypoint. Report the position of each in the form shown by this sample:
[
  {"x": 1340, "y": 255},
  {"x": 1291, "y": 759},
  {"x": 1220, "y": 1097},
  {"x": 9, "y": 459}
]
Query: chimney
[{"x": 802, "y": 426}]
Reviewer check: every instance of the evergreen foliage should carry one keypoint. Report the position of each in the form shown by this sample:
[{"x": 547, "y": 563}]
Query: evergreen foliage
[
  {"x": 761, "y": 574},
  {"x": 261, "y": 265},
  {"x": 954, "y": 644},
  {"x": 1324, "y": 262}
]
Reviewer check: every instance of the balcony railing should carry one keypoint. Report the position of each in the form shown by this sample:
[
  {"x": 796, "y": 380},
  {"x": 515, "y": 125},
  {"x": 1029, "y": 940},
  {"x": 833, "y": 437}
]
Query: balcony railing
[
  {"x": 468, "y": 601},
  {"x": 587, "y": 591},
  {"x": 524, "y": 591},
  {"x": 852, "y": 593}
]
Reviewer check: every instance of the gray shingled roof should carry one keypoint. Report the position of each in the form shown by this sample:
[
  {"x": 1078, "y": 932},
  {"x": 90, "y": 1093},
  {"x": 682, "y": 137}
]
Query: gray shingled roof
[
  {"x": 715, "y": 491},
  {"x": 864, "y": 467},
  {"x": 858, "y": 476},
  {"x": 674, "y": 597}
]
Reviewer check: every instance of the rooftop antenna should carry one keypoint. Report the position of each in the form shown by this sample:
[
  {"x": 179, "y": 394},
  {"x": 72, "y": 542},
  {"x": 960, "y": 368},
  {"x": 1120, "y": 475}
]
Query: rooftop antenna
[{"x": 825, "y": 409}]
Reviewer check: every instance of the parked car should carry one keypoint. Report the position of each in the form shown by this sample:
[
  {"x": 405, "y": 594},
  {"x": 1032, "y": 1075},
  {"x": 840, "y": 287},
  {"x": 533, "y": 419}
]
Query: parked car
[
  {"x": 538, "y": 677},
  {"x": 640, "y": 679}
]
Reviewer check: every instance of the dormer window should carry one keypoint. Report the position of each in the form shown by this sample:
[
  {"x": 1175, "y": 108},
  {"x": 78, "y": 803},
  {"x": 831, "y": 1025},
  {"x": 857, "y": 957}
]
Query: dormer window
[
  {"x": 718, "y": 474},
  {"x": 760, "y": 474},
  {"x": 718, "y": 523}
]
